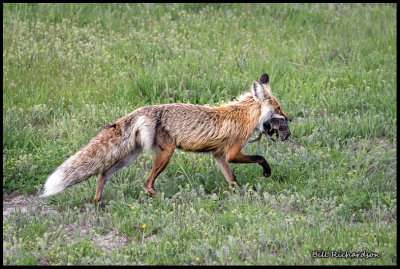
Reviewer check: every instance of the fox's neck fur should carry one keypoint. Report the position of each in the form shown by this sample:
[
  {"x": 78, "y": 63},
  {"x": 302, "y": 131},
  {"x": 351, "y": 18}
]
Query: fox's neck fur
[{"x": 244, "y": 109}]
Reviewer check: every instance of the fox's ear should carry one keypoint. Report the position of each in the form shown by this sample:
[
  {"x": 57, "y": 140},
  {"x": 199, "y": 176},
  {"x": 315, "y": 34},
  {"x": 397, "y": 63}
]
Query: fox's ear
[
  {"x": 264, "y": 78},
  {"x": 258, "y": 91}
]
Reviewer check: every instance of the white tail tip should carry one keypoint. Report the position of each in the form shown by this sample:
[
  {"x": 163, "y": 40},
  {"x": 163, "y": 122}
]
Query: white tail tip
[{"x": 54, "y": 184}]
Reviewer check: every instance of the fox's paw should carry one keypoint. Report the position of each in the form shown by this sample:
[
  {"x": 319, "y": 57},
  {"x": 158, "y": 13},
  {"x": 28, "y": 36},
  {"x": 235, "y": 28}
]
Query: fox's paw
[
  {"x": 96, "y": 202},
  {"x": 152, "y": 192},
  {"x": 233, "y": 185},
  {"x": 266, "y": 169},
  {"x": 267, "y": 174}
]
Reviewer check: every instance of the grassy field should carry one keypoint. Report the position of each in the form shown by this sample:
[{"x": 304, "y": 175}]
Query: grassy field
[{"x": 71, "y": 69}]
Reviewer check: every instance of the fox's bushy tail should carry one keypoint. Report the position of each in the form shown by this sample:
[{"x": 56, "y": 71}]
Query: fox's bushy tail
[
  {"x": 105, "y": 149},
  {"x": 75, "y": 169}
]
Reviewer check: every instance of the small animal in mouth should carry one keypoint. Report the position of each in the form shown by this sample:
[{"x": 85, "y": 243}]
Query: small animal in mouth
[{"x": 277, "y": 126}]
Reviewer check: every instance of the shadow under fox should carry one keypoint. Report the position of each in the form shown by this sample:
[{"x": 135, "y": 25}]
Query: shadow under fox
[{"x": 221, "y": 130}]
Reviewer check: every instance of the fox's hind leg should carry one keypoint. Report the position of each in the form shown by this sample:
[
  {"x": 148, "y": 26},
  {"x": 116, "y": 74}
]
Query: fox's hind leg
[
  {"x": 164, "y": 149},
  {"x": 104, "y": 176}
]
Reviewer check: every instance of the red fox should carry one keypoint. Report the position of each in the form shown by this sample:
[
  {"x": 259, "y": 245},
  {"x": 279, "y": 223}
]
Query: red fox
[{"x": 222, "y": 131}]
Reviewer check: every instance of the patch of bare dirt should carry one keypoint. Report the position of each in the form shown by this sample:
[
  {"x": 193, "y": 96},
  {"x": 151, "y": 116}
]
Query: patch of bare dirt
[
  {"x": 32, "y": 205},
  {"x": 289, "y": 209},
  {"x": 17, "y": 202},
  {"x": 110, "y": 240},
  {"x": 22, "y": 203}
]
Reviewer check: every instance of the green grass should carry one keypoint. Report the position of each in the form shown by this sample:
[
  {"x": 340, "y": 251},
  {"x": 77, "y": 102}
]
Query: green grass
[{"x": 70, "y": 69}]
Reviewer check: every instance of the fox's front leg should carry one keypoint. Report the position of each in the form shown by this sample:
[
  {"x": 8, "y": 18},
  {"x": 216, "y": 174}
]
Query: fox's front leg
[
  {"x": 236, "y": 156},
  {"x": 223, "y": 165}
]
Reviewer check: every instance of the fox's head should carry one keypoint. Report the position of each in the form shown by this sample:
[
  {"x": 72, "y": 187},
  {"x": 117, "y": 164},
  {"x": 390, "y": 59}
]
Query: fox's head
[{"x": 272, "y": 119}]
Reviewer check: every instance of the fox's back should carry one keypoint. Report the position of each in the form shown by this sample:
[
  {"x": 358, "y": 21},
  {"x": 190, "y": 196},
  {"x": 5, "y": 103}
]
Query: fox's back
[{"x": 194, "y": 127}]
